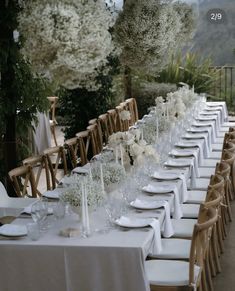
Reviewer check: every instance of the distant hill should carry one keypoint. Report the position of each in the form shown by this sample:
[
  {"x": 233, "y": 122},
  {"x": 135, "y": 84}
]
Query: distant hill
[{"x": 212, "y": 39}]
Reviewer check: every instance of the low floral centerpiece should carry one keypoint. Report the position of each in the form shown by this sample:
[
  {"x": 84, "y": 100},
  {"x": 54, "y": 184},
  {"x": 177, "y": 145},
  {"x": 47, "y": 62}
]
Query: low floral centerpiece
[{"x": 73, "y": 196}]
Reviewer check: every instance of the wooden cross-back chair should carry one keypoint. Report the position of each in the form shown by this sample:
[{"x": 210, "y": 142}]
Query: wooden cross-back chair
[
  {"x": 23, "y": 181},
  {"x": 132, "y": 107},
  {"x": 96, "y": 139},
  {"x": 124, "y": 124},
  {"x": 76, "y": 149},
  {"x": 223, "y": 169},
  {"x": 114, "y": 120},
  {"x": 53, "y": 122},
  {"x": 169, "y": 275},
  {"x": 55, "y": 160},
  {"x": 84, "y": 141},
  {"x": 38, "y": 165},
  {"x": 97, "y": 132},
  {"x": 229, "y": 158},
  {"x": 106, "y": 127}
]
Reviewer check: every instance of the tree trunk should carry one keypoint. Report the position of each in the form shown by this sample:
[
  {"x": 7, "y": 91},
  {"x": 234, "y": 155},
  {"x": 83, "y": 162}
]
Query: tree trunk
[{"x": 127, "y": 82}]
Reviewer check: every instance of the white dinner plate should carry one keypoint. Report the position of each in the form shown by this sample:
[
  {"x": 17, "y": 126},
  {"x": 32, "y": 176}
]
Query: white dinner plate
[
  {"x": 186, "y": 145},
  {"x": 185, "y": 153},
  {"x": 132, "y": 222},
  {"x": 158, "y": 188},
  {"x": 144, "y": 204},
  {"x": 193, "y": 136},
  {"x": 13, "y": 230},
  {"x": 165, "y": 176},
  {"x": 54, "y": 194},
  {"x": 175, "y": 163}
]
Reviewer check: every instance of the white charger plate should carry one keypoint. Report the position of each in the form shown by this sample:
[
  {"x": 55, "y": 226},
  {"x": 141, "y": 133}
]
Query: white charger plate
[
  {"x": 165, "y": 176},
  {"x": 144, "y": 204},
  {"x": 54, "y": 194},
  {"x": 158, "y": 188},
  {"x": 13, "y": 230},
  {"x": 175, "y": 163},
  {"x": 132, "y": 222},
  {"x": 185, "y": 153}
]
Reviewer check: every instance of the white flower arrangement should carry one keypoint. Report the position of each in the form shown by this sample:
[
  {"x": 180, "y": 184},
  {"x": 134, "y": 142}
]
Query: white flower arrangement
[
  {"x": 125, "y": 115},
  {"x": 73, "y": 196},
  {"x": 67, "y": 40},
  {"x": 112, "y": 172}
]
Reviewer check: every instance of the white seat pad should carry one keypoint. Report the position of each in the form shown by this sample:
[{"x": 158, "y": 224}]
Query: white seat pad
[
  {"x": 190, "y": 210},
  {"x": 183, "y": 227},
  {"x": 206, "y": 172},
  {"x": 201, "y": 184},
  {"x": 196, "y": 197},
  {"x": 174, "y": 248},
  {"x": 209, "y": 163},
  {"x": 217, "y": 147},
  {"x": 219, "y": 140},
  {"x": 169, "y": 273},
  {"x": 215, "y": 155}
]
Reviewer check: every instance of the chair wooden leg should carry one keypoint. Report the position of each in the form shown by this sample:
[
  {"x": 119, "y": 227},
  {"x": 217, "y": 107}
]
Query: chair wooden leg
[
  {"x": 204, "y": 282},
  {"x": 53, "y": 134},
  {"x": 208, "y": 275}
]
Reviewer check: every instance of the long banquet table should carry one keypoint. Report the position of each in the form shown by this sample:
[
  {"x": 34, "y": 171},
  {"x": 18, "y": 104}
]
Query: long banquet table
[{"x": 107, "y": 260}]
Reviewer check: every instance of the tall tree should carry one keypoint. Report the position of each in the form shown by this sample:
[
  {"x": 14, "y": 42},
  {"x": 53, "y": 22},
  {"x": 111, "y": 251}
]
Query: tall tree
[{"x": 21, "y": 93}]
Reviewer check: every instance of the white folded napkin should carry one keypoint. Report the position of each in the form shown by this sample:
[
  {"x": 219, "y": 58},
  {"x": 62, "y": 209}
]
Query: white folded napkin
[
  {"x": 157, "y": 243},
  {"x": 168, "y": 175},
  {"x": 177, "y": 214}
]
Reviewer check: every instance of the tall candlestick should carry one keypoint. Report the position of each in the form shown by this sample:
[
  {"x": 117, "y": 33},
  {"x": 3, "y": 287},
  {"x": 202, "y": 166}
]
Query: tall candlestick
[
  {"x": 116, "y": 154},
  {"x": 87, "y": 220},
  {"x": 101, "y": 177},
  {"x": 121, "y": 153},
  {"x": 83, "y": 209},
  {"x": 157, "y": 127}
]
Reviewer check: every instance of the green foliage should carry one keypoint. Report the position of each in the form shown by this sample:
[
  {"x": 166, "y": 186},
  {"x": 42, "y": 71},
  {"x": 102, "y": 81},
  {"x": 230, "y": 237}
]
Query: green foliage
[
  {"x": 22, "y": 94},
  {"x": 78, "y": 106},
  {"x": 146, "y": 92},
  {"x": 190, "y": 70}
]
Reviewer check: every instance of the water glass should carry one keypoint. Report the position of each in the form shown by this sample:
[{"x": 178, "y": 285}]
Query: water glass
[{"x": 33, "y": 230}]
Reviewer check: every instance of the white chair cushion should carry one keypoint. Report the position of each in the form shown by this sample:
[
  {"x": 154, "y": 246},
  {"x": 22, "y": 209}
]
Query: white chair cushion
[
  {"x": 217, "y": 147},
  {"x": 215, "y": 155},
  {"x": 201, "y": 184},
  {"x": 190, "y": 210},
  {"x": 196, "y": 197},
  {"x": 174, "y": 248},
  {"x": 206, "y": 172},
  {"x": 183, "y": 227},
  {"x": 228, "y": 124},
  {"x": 221, "y": 134},
  {"x": 169, "y": 273},
  {"x": 209, "y": 163},
  {"x": 219, "y": 140}
]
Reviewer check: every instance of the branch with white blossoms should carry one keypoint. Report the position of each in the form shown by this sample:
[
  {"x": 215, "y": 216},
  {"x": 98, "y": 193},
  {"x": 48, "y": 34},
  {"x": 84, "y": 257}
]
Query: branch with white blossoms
[
  {"x": 73, "y": 196},
  {"x": 66, "y": 40}
]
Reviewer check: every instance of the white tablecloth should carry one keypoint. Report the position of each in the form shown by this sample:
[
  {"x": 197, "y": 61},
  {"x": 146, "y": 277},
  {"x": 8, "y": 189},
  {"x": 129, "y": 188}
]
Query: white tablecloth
[{"x": 102, "y": 262}]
